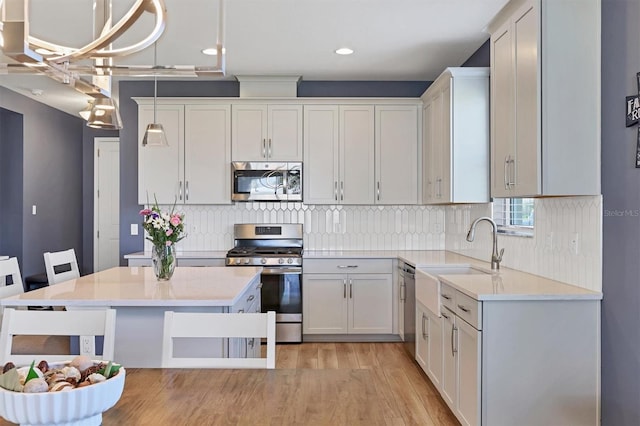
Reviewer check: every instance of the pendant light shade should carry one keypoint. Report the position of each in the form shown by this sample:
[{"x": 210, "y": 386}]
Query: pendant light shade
[
  {"x": 104, "y": 115},
  {"x": 86, "y": 112},
  {"x": 155, "y": 136}
]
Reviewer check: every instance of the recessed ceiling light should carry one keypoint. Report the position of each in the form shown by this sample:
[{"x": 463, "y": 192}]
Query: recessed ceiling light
[
  {"x": 344, "y": 51},
  {"x": 212, "y": 51}
]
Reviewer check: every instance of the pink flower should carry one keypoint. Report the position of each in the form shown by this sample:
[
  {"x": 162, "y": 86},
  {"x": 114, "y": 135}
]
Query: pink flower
[
  {"x": 168, "y": 243},
  {"x": 145, "y": 212},
  {"x": 169, "y": 232},
  {"x": 175, "y": 220}
]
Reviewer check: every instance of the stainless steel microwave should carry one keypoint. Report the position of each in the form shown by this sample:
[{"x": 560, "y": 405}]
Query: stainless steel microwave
[{"x": 265, "y": 181}]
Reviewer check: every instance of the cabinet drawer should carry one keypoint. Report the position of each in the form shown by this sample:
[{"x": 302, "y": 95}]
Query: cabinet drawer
[
  {"x": 469, "y": 310},
  {"x": 348, "y": 266},
  {"x": 448, "y": 296}
]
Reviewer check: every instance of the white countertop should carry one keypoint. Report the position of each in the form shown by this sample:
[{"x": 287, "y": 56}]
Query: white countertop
[
  {"x": 212, "y": 254},
  {"x": 138, "y": 286}
]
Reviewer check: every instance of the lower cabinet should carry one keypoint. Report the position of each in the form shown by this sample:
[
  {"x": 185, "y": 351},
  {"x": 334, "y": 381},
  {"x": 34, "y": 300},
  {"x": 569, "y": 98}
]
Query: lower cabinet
[
  {"x": 249, "y": 303},
  {"x": 513, "y": 362},
  {"x": 358, "y": 302}
]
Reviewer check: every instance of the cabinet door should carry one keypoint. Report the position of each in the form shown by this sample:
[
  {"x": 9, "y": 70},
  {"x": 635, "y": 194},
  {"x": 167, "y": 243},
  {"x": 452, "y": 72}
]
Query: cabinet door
[
  {"x": 436, "y": 149},
  {"x": 422, "y": 337},
  {"x": 449, "y": 373},
  {"x": 527, "y": 156},
  {"x": 207, "y": 153},
  {"x": 402, "y": 300},
  {"x": 324, "y": 303},
  {"x": 357, "y": 167},
  {"x": 469, "y": 342},
  {"x": 249, "y": 133},
  {"x": 444, "y": 145},
  {"x": 160, "y": 174},
  {"x": 370, "y": 303},
  {"x": 321, "y": 147},
  {"x": 284, "y": 139},
  {"x": 434, "y": 358},
  {"x": 502, "y": 112},
  {"x": 396, "y": 154},
  {"x": 428, "y": 153}
]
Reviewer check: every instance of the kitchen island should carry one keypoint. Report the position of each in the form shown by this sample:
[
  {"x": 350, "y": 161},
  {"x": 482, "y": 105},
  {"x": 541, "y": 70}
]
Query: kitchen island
[{"x": 140, "y": 301}]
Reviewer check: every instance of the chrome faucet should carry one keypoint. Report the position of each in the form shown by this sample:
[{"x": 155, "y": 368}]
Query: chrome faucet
[{"x": 495, "y": 257}]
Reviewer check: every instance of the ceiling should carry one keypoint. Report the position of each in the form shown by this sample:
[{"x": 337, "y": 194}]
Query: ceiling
[{"x": 392, "y": 39}]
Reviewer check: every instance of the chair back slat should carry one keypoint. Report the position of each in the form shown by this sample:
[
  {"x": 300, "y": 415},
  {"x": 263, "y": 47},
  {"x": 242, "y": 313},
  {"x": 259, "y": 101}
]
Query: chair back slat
[
  {"x": 87, "y": 324},
  {"x": 10, "y": 268},
  {"x": 214, "y": 325}
]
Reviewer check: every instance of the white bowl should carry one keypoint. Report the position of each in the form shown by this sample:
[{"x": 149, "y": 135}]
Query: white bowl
[{"x": 79, "y": 406}]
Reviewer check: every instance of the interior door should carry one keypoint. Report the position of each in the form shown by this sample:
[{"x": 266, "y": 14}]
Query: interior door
[{"x": 106, "y": 203}]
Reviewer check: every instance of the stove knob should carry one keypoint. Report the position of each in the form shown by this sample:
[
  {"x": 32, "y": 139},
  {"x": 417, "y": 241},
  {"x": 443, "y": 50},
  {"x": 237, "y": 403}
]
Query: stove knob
[
  {"x": 281, "y": 261},
  {"x": 247, "y": 261},
  {"x": 289, "y": 260},
  {"x": 263, "y": 261}
]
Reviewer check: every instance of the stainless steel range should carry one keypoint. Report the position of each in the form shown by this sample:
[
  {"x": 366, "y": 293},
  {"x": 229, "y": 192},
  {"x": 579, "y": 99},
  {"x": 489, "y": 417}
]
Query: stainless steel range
[{"x": 278, "y": 249}]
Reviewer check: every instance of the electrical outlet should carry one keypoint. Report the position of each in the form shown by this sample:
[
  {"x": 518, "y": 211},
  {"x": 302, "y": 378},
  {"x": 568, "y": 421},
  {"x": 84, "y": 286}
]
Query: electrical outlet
[
  {"x": 134, "y": 229},
  {"x": 87, "y": 345},
  {"x": 574, "y": 243}
]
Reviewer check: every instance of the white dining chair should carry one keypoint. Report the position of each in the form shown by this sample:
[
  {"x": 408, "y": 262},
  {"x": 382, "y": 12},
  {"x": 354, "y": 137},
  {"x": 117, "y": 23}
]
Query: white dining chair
[
  {"x": 55, "y": 261},
  {"x": 214, "y": 325},
  {"x": 10, "y": 270},
  {"x": 84, "y": 323}
]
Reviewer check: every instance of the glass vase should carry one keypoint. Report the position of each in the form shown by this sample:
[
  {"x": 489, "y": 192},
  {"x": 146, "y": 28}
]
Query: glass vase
[{"x": 164, "y": 261}]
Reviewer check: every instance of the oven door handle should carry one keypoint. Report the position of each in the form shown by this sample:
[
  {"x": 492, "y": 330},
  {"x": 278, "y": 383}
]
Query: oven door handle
[{"x": 281, "y": 271}]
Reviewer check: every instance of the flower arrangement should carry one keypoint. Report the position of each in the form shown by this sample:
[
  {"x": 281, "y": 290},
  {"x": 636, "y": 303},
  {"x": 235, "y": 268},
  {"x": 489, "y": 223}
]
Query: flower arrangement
[{"x": 164, "y": 230}]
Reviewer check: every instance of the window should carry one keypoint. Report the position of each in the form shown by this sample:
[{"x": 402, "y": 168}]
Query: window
[{"x": 514, "y": 215}]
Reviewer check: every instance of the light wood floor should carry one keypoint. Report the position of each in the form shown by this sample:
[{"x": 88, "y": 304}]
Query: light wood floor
[{"x": 313, "y": 384}]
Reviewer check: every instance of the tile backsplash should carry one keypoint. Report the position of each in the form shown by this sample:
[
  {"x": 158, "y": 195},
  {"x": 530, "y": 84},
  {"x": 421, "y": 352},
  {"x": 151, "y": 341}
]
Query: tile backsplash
[
  {"x": 332, "y": 227},
  {"x": 549, "y": 252}
]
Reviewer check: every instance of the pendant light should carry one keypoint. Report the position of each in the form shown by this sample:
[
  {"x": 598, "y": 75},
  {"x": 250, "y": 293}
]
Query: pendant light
[
  {"x": 104, "y": 115},
  {"x": 155, "y": 136}
]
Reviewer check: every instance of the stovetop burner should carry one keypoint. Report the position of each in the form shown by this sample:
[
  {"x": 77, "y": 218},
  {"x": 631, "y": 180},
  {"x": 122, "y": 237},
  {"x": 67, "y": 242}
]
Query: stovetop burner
[{"x": 265, "y": 251}]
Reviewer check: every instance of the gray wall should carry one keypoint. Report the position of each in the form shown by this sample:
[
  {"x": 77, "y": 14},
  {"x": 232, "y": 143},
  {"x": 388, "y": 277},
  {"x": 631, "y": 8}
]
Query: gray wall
[
  {"x": 621, "y": 234},
  {"x": 129, "y": 207},
  {"x": 51, "y": 179}
]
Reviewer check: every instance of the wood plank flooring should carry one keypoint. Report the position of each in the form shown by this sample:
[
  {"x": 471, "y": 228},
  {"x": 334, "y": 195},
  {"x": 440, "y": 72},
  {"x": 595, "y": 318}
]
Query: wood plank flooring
[{"x": 313, "y": 384}]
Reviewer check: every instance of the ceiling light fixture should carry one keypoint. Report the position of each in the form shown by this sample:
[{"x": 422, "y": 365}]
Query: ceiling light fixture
[
  {"x": 344, "y": 51},
  {"x": 86, "y": 112},
  {"x": 104, "y": 115},
  {"x": 155, "y": 136}
]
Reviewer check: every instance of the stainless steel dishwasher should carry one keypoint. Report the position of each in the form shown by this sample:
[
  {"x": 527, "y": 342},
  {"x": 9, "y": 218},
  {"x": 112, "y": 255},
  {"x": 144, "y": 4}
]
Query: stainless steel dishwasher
[{"x": 410, "y": 309}]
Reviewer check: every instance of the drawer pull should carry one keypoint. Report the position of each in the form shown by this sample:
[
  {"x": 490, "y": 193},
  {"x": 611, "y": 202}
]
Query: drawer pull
[
  {"x": 444, "y": 296},
  {"x": 347, "y": 266},
  {"x": 259, "y": 286},
  {"x": 445, "y": 315},
  {"x": 250, "y": 298},
  {"x": 241, "y": 311},
  {"x": 464, "y": 309}
]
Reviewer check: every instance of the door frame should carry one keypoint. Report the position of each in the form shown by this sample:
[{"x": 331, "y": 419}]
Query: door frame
[{"x": 96, "y": 143}]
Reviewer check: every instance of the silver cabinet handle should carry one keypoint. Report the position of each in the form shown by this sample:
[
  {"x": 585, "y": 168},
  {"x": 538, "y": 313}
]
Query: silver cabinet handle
[
  {"x": 439, "y": 188},
  {"x": 241, "y": 311},
  {"x": 444, "y": 296},
  {"x": 403, "y": 290},
  {"x": 251, "y": 343},
  {"x": 269, "y": 149},
  {"x": 259, "y": 285},
  {"x": 180, "y": 191},
  {"x": 264, "y": 148},
  {"x": 350, "y": 289},
  {"x": 335, "y": 190},
  {"x": 378, "y": 190},
  {"x": 444, "y": 315},
  {"x": 250, "y": 298},
  {"x": 464, "y": 309},
  {"x": 344, "y": 289},
  {"x": 186, "y": 190},
  {"x": 506, "y": 166},
  {"x": 453, "y": 349},
  {"x": 341, "y": 190},
  {"x": 424, "y": 329},
  {"x": 347, "y": 266},
  {"x": 512, "y": 175}
]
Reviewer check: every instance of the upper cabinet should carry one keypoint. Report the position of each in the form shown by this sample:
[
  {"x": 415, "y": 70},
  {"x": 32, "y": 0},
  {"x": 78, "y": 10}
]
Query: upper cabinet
[
  {"x": 396, "y": 155},
  {"x": 339, "y": 154},
  {"x": 195, "y": 168},
  {"x": 455, "y": 155},
  {"x": 545, "y": 91},
  {"x": 266, "y": 132}
]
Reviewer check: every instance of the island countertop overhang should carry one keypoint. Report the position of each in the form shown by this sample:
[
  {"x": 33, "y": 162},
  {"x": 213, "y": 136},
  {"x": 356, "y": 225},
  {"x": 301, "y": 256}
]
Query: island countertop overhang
[{"x": 138, "y": 286}]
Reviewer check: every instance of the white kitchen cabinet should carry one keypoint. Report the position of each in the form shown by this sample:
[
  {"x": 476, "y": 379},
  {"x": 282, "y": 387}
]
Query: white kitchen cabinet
[
  {"x": 339, "y": 151},
  {"x": 456, "y": 137},
  {"x": 429, "y": 343},
  {"x": 357, "y": 302},
  {"x": 396, "y": 154},
  {"x": 267, "y": 132},
  {"x": 422, "y": 336},
  {"x": 545, "y": 91},
  {"x": 195, "y": 167}
]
